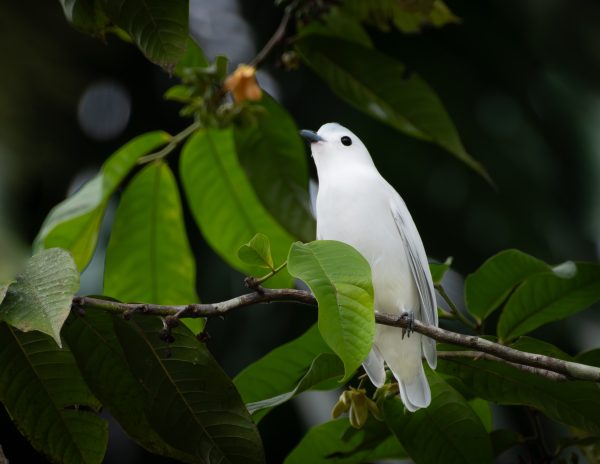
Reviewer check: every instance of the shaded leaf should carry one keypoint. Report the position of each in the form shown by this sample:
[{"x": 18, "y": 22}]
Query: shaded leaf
[
  {"x": 448, "y": 430},
  {"x": 49, "y": 402},
  {"x": 533, "y": 345},
  {"x": 546, "y": 297},
  {"x": 85, "y": 15},
  {"x": 383, "y": 88},
  {"x": 337, "y": 23},
  {"x": 40, "y": 298},
  {"x": 340, "y": 279},
  {"x": 406, "y": 16},
  {"x": 257, "y": 252},
  {"x": 73, "y": 224},
  {"x": 488, "y": 287},
  {"x": 102, "y": 362},
  {"x": 158, "y": 28},
  {"x": 575, "y": 403},
  {"x": 223, "y": 203},
  {"x": 193, "y": 405},
  {"x": 335, "y": 442},
  {"x": 591, "y": 357},
  {"x": 484, "y": 411},
  {"x": 283, "y": 370},
  {"x": 438, "y": 270},
  {"x": 148, "y": 258},
  {"x": 272, "y": 155},
  {"x": 193, "y": 57},
  {"x": 3, "y": 289}
]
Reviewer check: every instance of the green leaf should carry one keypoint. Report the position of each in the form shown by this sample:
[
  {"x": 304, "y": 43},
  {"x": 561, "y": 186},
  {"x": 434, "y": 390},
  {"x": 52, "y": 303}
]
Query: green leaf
[
  {"x": 438, "y": 270},
  {"x": 336, "y": 442},
  {"x": 272, "y": 155},
  {"x": 488, "y": 287},
  {"x": 85, "y": 15},
  {"x": 40, "y": 298},
  {"x": 382, "y": 88},
  {"x": 591, "y": 357},
  {"x": 73, "y": 224},
  {"x": 282, "y": 370},
  {"x": 484, "y": 412},
  {"x": 223, "y": 203},
  {"x": 546, "y": 297},
  {"x": 257, "y": 252},
  {"x": 447, "y": 428},
  {"x": 575, "y": 403},
  {"x": 94, "y": 344},
  {"x": 340, "y": 279},
  {"x": 3, "y": 289},
  {"x": 336, "y": 23},
  {"x": 148, "y": 259},
  {"x": 45, "y": 396},
  {"x": 533, "y": 345},
  {"x": 193, "y": 405},
  {"x": 158, "y": 28},
  {"x": 193, "y": 57}
]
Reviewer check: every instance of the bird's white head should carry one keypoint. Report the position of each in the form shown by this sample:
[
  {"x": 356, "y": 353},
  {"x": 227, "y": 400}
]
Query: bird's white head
[{"x": 334, "y": 147}]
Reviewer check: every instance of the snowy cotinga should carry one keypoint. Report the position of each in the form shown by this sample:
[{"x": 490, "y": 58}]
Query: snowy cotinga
[{"x": 356, "y": 205}]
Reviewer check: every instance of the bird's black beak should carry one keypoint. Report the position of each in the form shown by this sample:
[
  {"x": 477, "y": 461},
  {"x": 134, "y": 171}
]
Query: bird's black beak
[{"x": 311, "y": 136}]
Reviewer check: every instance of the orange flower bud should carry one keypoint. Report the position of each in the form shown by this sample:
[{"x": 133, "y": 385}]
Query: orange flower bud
[{"x": 242, "y": 84}]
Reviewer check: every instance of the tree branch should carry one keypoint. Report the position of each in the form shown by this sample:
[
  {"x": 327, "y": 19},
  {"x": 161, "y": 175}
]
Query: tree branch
[
  {"x": 567, "y": 369},
  {"x": 277, "y": 37}
]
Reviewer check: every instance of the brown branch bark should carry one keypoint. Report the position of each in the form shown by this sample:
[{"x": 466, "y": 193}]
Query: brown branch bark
[{"x": 567, "y": 369}]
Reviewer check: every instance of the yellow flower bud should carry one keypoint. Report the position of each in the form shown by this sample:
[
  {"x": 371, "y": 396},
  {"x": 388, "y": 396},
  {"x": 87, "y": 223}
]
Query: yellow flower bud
[{"x": 242, "y": 84}]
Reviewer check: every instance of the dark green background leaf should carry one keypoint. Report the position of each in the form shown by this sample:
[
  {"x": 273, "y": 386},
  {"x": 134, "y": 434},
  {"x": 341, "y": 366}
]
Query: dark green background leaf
[
  {"x": 193, "y": 405},
  {"x": 94, "y": 344},
  {"x": 85, "y": 15},
  {"x": 223, "y": 203},
  {"x": 340, "y": 278},
  {"x": 273, "y": 156},
  {"x": 40, "y": 299},
  {"x": 488, "y": 287},
  {"x": 382, "y": 88},
  {"x": 546, "y": 297},
  {"x": 73, "y": 224},
  {"x": 447, "y": 431},
  {"x": 45, "y": 395}
]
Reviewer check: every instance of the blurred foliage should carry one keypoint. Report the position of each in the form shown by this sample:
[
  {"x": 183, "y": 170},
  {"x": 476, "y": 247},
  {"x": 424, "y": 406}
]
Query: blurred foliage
[{"x": 519, "y": 84}]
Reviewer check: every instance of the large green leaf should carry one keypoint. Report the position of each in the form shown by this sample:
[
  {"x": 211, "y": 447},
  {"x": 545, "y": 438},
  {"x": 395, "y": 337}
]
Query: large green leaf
[
  {"x": 575, "y": 403},
  {"x": 272, "y": 154},
  {"x": 383, "y": 88},
  {"x": 193, "y": 405},
  {"x": 488, "y": 287},
  {"x": 336, "y": 442},
  {"x": 296, "y": 366},
  {"x": 158, "y": 28},
  {"x": 40, "y": 299},
  {"x": 148, "y": 258},
  {"x": 224, "y": 204},
  {"x": 340, "y": 279},
  {"x": 448, "y": 430},
  {"x": 94, "y": 344},
  {"x": 85, "y": 15},
  {"x": 46, "y": 397},
  {"x": 549, "y": 297},
  {"x": 73, "y": 224}
]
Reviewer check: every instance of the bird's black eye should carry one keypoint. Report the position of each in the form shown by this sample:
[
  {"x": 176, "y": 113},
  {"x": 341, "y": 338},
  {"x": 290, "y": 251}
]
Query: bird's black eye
[{"x": 346, "y": 140}]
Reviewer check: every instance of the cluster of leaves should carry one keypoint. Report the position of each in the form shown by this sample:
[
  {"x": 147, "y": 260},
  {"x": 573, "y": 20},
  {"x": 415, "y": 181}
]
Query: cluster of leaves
[{"x": 244, "y": 176}]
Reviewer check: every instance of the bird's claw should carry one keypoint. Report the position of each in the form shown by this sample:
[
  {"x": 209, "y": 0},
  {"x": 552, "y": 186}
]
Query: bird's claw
[{"x": 410, "y": 317}]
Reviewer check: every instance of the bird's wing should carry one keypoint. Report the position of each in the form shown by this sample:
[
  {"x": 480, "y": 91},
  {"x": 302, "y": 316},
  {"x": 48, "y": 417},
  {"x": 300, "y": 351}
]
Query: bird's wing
[{"x": 417, "y": 259}]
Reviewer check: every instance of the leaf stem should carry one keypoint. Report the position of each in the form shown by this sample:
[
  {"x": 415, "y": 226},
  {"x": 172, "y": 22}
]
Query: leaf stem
[
  {"x": 277, "y": 37},
  {"x": 253, "y": 282},
  {"x": 454, "y": 309},
  {"x": 175, "y": 141}
]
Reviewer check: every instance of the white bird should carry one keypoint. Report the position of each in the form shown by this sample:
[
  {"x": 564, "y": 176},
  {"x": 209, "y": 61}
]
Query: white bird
[{"x": 356, "y": 205}]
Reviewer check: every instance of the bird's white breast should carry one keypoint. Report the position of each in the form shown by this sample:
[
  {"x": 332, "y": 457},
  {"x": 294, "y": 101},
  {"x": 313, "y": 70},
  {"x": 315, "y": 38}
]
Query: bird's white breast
[{"x": 354, "y": 208}]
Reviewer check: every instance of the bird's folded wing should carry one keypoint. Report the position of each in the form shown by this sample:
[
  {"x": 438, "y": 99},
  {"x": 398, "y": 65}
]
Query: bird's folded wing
[{"x": 417, "y": 259}]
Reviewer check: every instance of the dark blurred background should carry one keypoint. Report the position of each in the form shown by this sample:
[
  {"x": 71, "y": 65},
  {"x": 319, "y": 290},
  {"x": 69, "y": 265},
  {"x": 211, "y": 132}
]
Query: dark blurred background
[{"x": 520, "y": 79}]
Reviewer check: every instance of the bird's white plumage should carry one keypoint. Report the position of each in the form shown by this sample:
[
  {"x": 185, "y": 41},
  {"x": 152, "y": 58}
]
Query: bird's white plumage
[{"x": 356, "y": 205}]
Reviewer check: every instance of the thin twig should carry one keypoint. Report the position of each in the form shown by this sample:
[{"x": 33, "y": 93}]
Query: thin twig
[
  {"x": 454, "y": 309},
  {"x": 174, "y": 142},
  {"x": 477, "y": 355},
  {"x": 277, "y": 37},
  {"x": 569, "y": 369}
]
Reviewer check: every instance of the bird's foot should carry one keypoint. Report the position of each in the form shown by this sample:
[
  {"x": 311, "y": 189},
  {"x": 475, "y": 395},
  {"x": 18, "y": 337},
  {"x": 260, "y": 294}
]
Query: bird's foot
[{"x": 410, "y": 317}]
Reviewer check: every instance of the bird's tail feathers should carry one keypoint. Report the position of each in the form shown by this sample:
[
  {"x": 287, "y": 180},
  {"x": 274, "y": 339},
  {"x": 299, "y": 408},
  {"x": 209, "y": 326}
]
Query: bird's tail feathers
[
  {"x": 374, "y": 367},
  {"x": 415, "y": 394}
]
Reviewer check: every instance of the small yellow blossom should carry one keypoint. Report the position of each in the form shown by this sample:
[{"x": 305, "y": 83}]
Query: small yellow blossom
[{"x": 242, "y": 84}]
